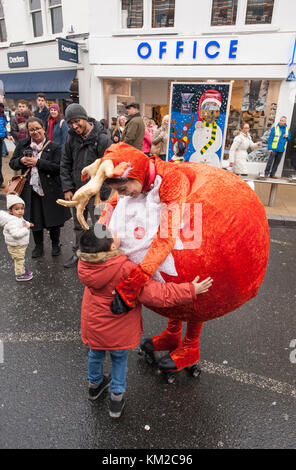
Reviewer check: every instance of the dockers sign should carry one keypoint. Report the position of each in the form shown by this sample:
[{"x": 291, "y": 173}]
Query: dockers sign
[
  {"x": 68, "y": 50},
  {"x": 17, "y": 59}
]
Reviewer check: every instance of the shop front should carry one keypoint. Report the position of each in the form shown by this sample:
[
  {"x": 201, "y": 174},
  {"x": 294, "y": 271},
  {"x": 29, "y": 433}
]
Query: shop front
[
  {"x": 142, "y": 70},
  {"x": 23, "y": 75}
]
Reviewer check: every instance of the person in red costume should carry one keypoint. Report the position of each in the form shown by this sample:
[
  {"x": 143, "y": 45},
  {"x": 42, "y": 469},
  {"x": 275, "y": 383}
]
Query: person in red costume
[
  {"x": 176, "y": 222},
  {"x": 230, "y": 240}
]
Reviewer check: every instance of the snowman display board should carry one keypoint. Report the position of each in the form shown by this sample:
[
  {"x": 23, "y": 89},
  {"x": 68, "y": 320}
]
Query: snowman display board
[{"x": 199, "y": 115}]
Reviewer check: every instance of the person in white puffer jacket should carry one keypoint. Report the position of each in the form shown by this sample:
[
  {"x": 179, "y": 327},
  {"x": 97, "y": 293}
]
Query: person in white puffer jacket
[
  {"x": 238, "y": 152},
  {"x": 16, "y": 234}
]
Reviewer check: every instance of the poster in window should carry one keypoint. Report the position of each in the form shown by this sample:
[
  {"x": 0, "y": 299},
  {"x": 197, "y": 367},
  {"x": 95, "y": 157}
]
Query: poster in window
[{"x": 199, "y": 115}]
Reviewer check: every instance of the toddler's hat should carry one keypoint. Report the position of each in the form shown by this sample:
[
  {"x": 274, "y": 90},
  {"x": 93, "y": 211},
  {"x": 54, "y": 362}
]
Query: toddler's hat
[{"x": 12, "y": 199}]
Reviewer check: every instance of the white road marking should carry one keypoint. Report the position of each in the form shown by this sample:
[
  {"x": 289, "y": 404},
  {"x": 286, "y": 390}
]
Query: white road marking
[
  {"x": 42, "y": 337},
  {"x": 1, "y": 352},
  {"x": 249, "y": 378},
  {"x": 279, "y": 242},
  {"x": 259, "y": 381}
]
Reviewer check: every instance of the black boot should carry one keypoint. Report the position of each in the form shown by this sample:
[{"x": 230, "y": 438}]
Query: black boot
[
  {"x": 166, "y": 363},
  {"x": 71, "y": 262},
  {"x": 38, "y": 251},
  {"x": 54, "y": 233},
  {"x": 38, "y": 239},
  {"x": 56, "y": 249}
]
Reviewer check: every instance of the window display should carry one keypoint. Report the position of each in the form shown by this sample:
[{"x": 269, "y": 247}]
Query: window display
[{"x": 255, "y": 102}]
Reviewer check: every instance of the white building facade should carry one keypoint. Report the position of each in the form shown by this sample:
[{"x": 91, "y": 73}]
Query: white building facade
[
  {"x": 29, "y": 49},
  {"x": 133, "y": 50}
]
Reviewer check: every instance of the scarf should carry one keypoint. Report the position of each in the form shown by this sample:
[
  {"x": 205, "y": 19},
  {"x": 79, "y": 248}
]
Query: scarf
[
  {"x": 213, "y": 136},
  {"x": 35, "y": 178},
  {"x": 51, "y": 123}
]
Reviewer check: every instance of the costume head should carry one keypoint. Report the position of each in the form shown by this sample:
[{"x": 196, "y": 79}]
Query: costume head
[{"x": 128, "y": 162}]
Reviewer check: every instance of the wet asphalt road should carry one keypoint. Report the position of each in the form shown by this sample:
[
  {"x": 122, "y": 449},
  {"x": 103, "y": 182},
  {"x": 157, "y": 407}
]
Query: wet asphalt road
[{"x": 244, "y": 399}]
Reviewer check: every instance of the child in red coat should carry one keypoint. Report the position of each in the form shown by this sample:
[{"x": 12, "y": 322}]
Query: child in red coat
[{"x": 100, "y": 268}]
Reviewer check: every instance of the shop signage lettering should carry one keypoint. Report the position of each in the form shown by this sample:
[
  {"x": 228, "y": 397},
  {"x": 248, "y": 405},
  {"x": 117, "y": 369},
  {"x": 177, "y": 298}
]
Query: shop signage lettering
[
  {"x": 68, "y": 50},
  {"x": 212, "y": 49},
  {"x": 17, "y": 59}
]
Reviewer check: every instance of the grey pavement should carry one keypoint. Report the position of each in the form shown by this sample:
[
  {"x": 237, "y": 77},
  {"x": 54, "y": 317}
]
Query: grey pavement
[{"x": 244, "y": 399}]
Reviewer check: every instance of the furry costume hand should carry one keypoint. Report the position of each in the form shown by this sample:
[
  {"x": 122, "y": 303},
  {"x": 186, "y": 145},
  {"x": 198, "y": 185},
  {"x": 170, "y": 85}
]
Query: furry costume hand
[{"x": 128, "y": 290}]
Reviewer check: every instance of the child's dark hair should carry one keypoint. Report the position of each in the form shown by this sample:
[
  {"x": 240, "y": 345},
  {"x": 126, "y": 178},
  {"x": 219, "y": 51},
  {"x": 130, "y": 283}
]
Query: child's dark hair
[{"x": 96, "y": 239}]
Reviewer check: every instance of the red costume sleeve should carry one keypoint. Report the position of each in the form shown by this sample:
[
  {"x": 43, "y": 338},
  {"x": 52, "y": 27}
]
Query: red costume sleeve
[
  {"x": 156, "y": 294},
  {"x": 173, "y": 193}
]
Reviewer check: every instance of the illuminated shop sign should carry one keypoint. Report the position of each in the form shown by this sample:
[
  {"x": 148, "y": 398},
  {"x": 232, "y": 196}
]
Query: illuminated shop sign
[{"x": 211, "y": 49}]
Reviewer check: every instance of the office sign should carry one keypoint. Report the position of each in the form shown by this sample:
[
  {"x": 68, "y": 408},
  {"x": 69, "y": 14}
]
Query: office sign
[
  {"x": 17, "y": 59},
  {"x": 68, "y": 50}
]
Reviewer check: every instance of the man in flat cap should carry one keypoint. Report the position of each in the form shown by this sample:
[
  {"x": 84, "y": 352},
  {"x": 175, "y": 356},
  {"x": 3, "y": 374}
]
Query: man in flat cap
[{"x": 134, "y": 130}]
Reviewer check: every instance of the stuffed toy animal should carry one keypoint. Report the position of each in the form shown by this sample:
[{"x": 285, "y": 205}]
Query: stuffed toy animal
[{"x": 190, "y": 219}]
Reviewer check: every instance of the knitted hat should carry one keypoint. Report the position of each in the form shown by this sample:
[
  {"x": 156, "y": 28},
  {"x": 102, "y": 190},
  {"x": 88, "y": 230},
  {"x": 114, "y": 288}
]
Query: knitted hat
[
  {"x": 12, "y": 199},
  {"x": 75, "y": 111},
  {"x": 54, "y": 106}
]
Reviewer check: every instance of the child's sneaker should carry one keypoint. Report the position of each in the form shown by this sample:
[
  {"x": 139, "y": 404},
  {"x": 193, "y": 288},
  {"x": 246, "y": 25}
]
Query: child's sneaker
[
  {"x": 27, "y": 276},
  {"x": 94, "y": 392},
  {"x": 116, "y": 405}
]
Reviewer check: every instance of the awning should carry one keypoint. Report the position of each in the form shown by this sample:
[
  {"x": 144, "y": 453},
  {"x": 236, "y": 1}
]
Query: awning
[{"x": 55, "y": 84}]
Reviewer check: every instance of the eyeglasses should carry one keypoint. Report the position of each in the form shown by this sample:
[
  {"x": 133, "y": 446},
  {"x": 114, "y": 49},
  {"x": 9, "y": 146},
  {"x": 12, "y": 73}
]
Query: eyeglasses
[{"x": 38, "y": 129}]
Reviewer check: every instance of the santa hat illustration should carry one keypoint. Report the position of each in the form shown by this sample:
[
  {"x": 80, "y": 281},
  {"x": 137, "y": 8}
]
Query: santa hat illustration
[{"x": 210, "y": 99}]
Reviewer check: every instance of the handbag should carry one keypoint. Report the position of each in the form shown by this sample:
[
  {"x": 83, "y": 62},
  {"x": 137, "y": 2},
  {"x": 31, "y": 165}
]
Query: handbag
[
  {"x": 156, "y": 148},
  {"x": 17, "y": 183}
]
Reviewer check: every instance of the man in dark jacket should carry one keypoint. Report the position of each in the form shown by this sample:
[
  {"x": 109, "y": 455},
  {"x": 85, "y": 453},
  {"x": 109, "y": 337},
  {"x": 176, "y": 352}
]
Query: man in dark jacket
[
  {"x": 42, "y": 111},
  {"x": 87, "y": 140},
  {"x": 134, "y": 130}
]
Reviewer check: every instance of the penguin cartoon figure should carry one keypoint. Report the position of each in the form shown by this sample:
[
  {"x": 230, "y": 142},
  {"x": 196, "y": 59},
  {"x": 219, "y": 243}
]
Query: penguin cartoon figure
[{"x": 207, "y": 137}]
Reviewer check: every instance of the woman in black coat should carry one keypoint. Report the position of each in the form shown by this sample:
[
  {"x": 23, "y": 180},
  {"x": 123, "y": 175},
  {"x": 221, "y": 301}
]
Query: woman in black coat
[{"x": 43, "y": 185}]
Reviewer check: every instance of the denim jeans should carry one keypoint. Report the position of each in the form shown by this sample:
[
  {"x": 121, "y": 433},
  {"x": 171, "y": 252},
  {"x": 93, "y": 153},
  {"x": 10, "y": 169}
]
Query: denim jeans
[
  {"x": 119, "y": 368},
  {"x": 273, "y": 163}
]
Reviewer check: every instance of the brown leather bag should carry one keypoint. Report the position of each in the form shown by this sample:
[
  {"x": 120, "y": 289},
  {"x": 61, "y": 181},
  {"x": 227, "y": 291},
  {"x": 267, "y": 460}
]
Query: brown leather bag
[{"x": 17, "y": 183}]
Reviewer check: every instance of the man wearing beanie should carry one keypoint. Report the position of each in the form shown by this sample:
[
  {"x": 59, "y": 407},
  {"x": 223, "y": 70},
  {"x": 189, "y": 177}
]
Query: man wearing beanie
[{"x": 86, "y": 142}]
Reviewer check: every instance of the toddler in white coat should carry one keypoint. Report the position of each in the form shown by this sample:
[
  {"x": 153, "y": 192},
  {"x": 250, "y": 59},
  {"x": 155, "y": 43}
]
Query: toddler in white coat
[{"x": 16, "y": 234}]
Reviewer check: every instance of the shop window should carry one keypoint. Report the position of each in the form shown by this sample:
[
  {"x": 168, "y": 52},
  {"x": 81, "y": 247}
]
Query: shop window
[
  {"x": 3, "y": 34},
  {"x": 36, "y": 13},
  {"x": 132, "y": 13},
  {"x": 224, "y": 12},
  {"x": 56, "y": 14},
  {"x": 259, "y": 11},
  {"x": 163, "y": 13}
]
